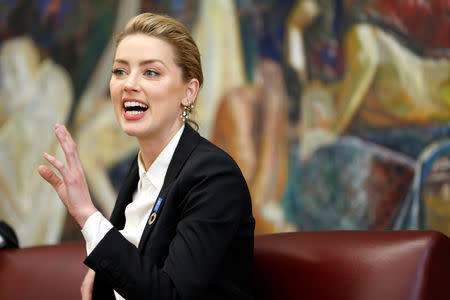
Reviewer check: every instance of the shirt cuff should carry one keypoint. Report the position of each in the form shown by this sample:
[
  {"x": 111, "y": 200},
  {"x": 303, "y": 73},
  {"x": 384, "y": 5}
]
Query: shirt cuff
[{"x": 94, "y": 229}]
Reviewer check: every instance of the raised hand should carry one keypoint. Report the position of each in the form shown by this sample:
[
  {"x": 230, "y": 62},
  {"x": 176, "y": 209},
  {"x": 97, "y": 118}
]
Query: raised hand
[{"x": 72, "y": 189}]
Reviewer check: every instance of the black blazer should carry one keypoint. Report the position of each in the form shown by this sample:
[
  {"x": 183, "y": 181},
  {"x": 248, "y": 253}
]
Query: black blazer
[{"x": 200, "y": 245}]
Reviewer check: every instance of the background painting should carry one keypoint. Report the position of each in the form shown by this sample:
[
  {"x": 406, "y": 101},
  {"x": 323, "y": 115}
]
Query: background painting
[{"x": 337, "y": 111}]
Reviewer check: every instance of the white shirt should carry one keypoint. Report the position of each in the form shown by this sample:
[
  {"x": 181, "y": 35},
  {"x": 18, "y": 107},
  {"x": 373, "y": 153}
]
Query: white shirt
[{"x": 138, "y": 211}]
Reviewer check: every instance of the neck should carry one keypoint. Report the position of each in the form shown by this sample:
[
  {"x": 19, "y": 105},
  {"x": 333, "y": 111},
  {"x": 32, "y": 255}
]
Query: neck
[{"x": 152, "y": 146}]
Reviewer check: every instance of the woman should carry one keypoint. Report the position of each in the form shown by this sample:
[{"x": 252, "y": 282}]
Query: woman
[{"x": 182, "y": 226}]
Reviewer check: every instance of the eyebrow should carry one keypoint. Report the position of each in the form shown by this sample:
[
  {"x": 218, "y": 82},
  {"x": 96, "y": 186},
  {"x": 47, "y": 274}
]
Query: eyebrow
[{"x": 144, "y": 62}]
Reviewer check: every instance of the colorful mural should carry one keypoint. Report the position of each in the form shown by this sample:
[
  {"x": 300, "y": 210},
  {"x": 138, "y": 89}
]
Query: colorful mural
[{"x": 337, "y": 111}]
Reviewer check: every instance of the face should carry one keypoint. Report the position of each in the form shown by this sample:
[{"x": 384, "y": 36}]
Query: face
[{"x": 147, "y": 89}]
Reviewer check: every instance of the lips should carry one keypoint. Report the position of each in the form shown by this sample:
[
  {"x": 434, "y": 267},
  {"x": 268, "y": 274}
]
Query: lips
[{"x": 134, "y": 109}]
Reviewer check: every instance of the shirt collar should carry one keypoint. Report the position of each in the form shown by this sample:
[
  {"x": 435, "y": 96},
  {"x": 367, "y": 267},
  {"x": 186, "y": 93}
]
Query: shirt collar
[{"x": 158, "y": 169}]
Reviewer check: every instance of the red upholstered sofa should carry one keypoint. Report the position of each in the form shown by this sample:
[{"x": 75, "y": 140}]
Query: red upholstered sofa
[
  {"x": 350, "y": 265},
  {"x": 44, "y": 272},
  {"x": 353, "y": 265}
]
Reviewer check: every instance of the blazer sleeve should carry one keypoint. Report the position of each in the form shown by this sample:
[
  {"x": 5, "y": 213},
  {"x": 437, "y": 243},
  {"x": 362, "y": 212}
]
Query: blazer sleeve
[{"x": 212, "y": 195}]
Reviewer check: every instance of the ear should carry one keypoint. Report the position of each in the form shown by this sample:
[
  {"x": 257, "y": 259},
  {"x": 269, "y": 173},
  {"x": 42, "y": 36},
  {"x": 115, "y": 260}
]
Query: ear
[{"x": 191, "y": 92}]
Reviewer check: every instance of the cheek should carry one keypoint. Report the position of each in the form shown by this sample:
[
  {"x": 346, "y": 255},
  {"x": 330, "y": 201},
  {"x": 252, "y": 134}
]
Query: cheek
[
  {"x": 114, "y": 91},
  {"x": 115, "y": 99}
]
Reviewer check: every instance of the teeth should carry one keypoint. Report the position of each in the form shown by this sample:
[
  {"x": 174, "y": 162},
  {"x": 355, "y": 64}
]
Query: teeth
[
  {"x": 134, "y": 112},
  {"x": 134, "y": 104}
]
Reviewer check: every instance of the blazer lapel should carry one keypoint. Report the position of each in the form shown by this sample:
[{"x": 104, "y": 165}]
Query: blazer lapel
[
  {"x": 188, "y": 141},
  {"x": 125, "y": 196}
]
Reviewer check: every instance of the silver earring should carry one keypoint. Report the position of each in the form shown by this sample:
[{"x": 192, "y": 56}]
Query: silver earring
[{"x": 186, "y": 111}]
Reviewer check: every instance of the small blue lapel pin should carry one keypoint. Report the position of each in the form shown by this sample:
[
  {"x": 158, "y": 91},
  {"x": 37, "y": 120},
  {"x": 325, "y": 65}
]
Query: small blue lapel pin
[{"x": 155, "y": 210}]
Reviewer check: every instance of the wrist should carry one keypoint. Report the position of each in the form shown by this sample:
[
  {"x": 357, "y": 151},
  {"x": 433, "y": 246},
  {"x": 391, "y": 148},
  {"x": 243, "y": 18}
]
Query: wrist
[{"x": 82, "y": 217}]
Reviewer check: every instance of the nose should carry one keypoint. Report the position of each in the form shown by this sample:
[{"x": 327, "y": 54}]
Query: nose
[{"x": 132, "y": 83}]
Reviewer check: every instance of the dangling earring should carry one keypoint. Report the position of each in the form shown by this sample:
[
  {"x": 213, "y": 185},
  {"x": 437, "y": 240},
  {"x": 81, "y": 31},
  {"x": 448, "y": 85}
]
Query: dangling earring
[{"x": 186, "y": 111}]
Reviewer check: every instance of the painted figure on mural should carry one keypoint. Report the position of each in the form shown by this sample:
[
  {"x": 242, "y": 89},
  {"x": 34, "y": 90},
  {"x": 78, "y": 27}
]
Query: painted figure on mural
[
  {"x": 29, "y": 77},
  {"x": 48, "y": 76},
  {"x": 379, "y": 73},
  {"x": 251, "y": 123},
  {"x": 369, "y": 71}
]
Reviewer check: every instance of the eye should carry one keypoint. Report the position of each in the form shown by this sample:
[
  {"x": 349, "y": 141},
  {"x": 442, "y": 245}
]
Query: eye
[
  {"x": 151, "y": 73},
  {"x": 119, "y": 72}
]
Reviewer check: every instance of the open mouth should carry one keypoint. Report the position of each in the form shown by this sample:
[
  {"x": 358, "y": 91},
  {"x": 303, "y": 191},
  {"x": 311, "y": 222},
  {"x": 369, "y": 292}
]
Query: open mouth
[
  {"x": 134, "y": 110},
  {"x": 134, "y": 107}
]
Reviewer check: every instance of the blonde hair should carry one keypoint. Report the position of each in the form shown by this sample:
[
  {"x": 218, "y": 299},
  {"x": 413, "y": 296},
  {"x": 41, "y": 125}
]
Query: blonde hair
[{"x": 187, "y": 56}]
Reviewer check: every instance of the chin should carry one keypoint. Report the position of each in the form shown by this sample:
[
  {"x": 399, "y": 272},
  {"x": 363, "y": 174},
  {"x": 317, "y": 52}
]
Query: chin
[
  {"x": 131, "y": 129},
  {"x": 138, "y": 130},
  {"x": 134, "y": 132}
]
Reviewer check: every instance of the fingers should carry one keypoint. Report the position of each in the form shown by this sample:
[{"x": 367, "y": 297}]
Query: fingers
[
  {"x": 56, "y": 163},
  {"x": 74, "y": 169},
  {"x": 49, "y": 176},
  {"x": 67, "y": 144},
  {"x": 72, "y": 188}
]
